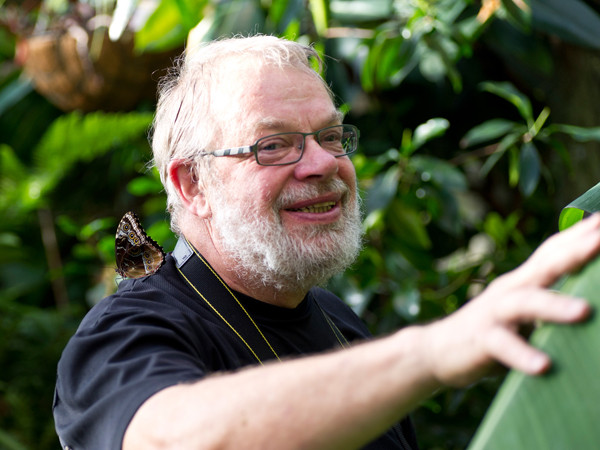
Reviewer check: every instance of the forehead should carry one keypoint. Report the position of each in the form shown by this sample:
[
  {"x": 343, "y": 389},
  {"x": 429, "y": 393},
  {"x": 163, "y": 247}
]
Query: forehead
[{"x": 257, "y": 97}]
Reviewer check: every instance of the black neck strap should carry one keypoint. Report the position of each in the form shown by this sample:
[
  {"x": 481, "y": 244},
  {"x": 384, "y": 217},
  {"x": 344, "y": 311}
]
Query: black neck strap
[{"x": 223, "y": 302}]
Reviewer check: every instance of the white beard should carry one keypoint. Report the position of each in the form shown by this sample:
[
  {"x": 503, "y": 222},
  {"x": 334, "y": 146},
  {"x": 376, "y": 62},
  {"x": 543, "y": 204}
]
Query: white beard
[{"x": 265, "y": 254}]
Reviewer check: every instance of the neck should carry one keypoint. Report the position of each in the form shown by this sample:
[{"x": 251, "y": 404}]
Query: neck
[{"x": 286, "y": 294}]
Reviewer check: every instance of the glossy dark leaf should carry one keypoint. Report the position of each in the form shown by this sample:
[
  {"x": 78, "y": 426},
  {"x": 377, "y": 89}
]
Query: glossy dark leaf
[
  {"x": 529, "y": 169},
  {"x": 509, "y": 92},
  {"x": 580, "y": 134},
  {"x": 488, "y": 131},
  {"x": 507, "y": 142},
  {"x": 439, "y": 172},
  {"x": 383, "y": 190},
  {"x": 431, "y": 129},
  {"x": 573, "y": 21}
]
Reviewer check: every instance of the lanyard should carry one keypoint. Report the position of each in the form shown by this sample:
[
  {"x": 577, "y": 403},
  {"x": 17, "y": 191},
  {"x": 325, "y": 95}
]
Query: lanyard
[{"x": 192, "y": 267}]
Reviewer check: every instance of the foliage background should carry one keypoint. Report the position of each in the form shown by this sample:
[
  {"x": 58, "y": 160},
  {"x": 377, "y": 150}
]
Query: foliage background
[{"x": 466, "y": 161}]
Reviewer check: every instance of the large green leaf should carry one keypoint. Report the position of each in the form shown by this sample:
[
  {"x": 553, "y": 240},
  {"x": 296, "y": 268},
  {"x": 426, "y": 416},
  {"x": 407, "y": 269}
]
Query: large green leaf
[
  {"x": 571, "y": 20},
  {"x": 574, "y": 211},
  {"x": 559, "y": 410},
  {"x": 70, "y": 139}
]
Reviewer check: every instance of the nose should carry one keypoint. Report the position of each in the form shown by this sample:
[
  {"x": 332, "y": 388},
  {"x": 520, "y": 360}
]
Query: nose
[{"x": 316, "y": 162}]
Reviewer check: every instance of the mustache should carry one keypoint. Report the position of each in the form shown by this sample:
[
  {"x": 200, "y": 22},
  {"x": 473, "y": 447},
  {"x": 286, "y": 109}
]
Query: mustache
[{"x": 307, "y": 192}]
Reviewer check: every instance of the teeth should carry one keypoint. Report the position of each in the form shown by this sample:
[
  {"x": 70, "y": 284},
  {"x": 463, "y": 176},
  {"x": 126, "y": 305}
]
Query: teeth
[{"x": 317, "y": 208}]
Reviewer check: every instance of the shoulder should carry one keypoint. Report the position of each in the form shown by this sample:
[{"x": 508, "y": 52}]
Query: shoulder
[
  {"x": 129, "y": 346},
  {"x": 157, "y": 295}
]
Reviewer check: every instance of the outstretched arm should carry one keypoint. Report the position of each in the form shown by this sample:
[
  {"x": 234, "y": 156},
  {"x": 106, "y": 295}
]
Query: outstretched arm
[{"x": 346, "y": 398}]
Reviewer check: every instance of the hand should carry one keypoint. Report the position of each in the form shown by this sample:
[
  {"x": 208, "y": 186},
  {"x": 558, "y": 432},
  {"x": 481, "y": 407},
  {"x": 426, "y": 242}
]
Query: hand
[{"x": 465, "y": 344}]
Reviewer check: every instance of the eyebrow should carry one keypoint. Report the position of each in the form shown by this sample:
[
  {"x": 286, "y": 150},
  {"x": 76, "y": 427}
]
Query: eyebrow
[{"x": 270, "y": 123}]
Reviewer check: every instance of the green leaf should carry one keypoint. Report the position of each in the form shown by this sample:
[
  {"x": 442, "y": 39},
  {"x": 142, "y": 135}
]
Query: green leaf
[
  {"x": 439, "y": 172},
  {"x": 14, "y": 92},
  {"x": 144, "y": 185},
  {"x": 12, "y": 173},
  {"x": 319, "y": 10},
  {"x": 75, "y": 137},
  {"x": 529, "y": 169},
  {"x": 383, "y": 189},
  {"x": 580, "y": 134},
  {"x": 169, "y": 24},
  {"x": 568, "y": 217},
  {"x": 431, "y": 129},
  {"x": 233, "y": 17},
  {"x": 589, "y": 202},
  {"x": 507, "y": 91},
  {"x": 286, "y": 16},
  {"x": 389, "y": 61},
  {"x": 190, "y": 11},
  {"x": 521, "y": 17},
  {"x": 96, "y": 225},
  {"x": 439, "y": 58},
  {"x": 397, "y": 59},
  {"x": 9, "y": 442},
  {"x": 514, "y": 169},
  {"x": 507, "y": 142},
  {"x": 539, "y": 122},
  {"x": 573, "y": 21},
  {"x": 407, "y": 224},
  {"x": 488, "y": 131},
  {"x": 557, "y": 410}
]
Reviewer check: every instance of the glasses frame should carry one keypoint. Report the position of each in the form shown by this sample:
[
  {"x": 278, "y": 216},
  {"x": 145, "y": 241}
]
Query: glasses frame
[{"x": 254, "y": 147}]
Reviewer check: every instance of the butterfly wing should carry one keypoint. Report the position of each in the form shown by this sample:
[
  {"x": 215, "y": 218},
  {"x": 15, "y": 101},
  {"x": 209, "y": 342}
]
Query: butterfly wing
[{"x": 137, "y": 254}]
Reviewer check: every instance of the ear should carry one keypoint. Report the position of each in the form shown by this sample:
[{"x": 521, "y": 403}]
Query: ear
[{"x": 189, "y": 188}]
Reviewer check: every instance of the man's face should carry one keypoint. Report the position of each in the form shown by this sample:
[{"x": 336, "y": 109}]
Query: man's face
[{"x": 284, "y": 226}]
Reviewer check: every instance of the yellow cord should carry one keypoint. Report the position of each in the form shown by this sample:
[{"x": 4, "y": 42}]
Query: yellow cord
[
  {"x": 219, "y": 314},
  {"x": 237, "y": 301}
]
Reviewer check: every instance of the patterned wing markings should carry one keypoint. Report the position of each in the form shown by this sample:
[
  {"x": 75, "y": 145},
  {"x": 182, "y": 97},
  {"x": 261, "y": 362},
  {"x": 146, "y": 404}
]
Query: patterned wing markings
[{"x": 137, "y": 254}]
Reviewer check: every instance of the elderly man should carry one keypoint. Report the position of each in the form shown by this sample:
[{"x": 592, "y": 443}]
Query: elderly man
[{"x": 229, "y": 344}]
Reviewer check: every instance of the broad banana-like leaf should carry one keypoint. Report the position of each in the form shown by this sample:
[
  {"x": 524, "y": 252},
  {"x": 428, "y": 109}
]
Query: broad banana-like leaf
[{"x": 559, "y": 410}]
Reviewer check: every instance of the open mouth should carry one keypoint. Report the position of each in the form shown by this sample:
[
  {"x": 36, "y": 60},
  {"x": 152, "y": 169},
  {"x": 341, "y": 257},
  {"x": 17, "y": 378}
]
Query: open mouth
[{"x": 316, "y": 208}]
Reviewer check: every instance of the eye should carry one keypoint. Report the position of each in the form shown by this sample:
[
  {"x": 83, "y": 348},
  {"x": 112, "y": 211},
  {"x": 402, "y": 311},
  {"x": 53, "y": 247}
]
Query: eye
[
  {"x": 272, "y": 144},
  {"x": 331, "y": 136},
  {"x": 331, "y": 139}
]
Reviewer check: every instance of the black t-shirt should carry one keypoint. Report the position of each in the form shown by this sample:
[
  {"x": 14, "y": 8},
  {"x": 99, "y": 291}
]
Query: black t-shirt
[{"x": 157, "y": 331}]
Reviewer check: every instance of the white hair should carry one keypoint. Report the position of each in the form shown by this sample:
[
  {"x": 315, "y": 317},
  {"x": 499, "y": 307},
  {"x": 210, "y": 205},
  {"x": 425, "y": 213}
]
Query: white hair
[{"x": 185, "y": 124}]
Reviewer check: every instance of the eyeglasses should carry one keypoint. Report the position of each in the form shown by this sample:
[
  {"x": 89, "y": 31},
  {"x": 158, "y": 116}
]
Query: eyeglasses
[{"x": 287, "y": 148}]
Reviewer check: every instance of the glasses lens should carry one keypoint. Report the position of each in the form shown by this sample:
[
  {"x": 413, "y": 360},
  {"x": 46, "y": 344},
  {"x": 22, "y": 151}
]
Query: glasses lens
[
  {"x": 279, "y": 148},
  {"x": 339, "y": 140},
  {"x": 286, "y": 148}
]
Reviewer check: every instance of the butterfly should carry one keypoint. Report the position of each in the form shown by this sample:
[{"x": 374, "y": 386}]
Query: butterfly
[{"x": 137, "y": 254}]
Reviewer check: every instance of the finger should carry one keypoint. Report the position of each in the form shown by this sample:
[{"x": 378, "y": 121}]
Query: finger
[
  {"x": 514, "y": 352},
  {"x": 560, "y": 254},
  {"x": 539, "y": 304}
]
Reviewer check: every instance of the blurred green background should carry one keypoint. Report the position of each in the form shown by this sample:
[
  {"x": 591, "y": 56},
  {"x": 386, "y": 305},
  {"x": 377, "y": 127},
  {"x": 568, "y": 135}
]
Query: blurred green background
[{"x": 478, "y": 125}]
